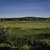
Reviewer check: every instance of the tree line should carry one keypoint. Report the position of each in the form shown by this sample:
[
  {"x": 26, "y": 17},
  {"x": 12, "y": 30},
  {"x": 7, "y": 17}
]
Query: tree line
[{"x": 26, "y": 19}]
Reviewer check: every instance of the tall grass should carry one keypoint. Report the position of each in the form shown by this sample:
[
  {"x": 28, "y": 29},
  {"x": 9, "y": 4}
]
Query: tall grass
[{"x": 20, "y": 35}]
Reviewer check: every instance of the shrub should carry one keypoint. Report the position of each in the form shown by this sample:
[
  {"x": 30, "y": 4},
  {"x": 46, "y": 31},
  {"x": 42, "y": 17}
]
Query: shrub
[
  {"x": 43, "y": 35},
  {"x": 3, "y": 45}
]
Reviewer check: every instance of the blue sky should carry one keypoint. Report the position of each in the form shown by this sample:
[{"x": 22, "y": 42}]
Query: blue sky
[{"x": 24, "y": 8}]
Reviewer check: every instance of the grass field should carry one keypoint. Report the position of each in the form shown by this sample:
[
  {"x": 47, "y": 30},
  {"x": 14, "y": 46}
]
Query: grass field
[
  {"x": 28, "y": 29},
  {"x": 25, "y": 27},
  {"x": 25, "y": 24}
]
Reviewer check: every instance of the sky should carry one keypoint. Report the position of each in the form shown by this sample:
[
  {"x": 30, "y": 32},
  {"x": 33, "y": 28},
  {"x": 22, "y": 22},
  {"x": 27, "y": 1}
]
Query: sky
[{"x": 14, "y": 8}]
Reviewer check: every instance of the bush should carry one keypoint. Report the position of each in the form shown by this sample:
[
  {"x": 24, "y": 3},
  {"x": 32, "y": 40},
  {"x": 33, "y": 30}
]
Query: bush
[
  {"x": 3, "y": 35},
  {"x": 3, "y": 45},
  {"x": 43, "y": 35},
  {"x": 39, "y": 45}
]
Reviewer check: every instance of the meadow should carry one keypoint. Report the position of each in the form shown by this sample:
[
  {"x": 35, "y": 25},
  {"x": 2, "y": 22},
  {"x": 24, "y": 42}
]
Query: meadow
[{"x": 22, "y": 31}]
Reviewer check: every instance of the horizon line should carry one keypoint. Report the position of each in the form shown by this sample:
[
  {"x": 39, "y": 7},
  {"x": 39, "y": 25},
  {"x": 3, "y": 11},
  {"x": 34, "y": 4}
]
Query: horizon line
[{"x": 23, "y": 16}]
